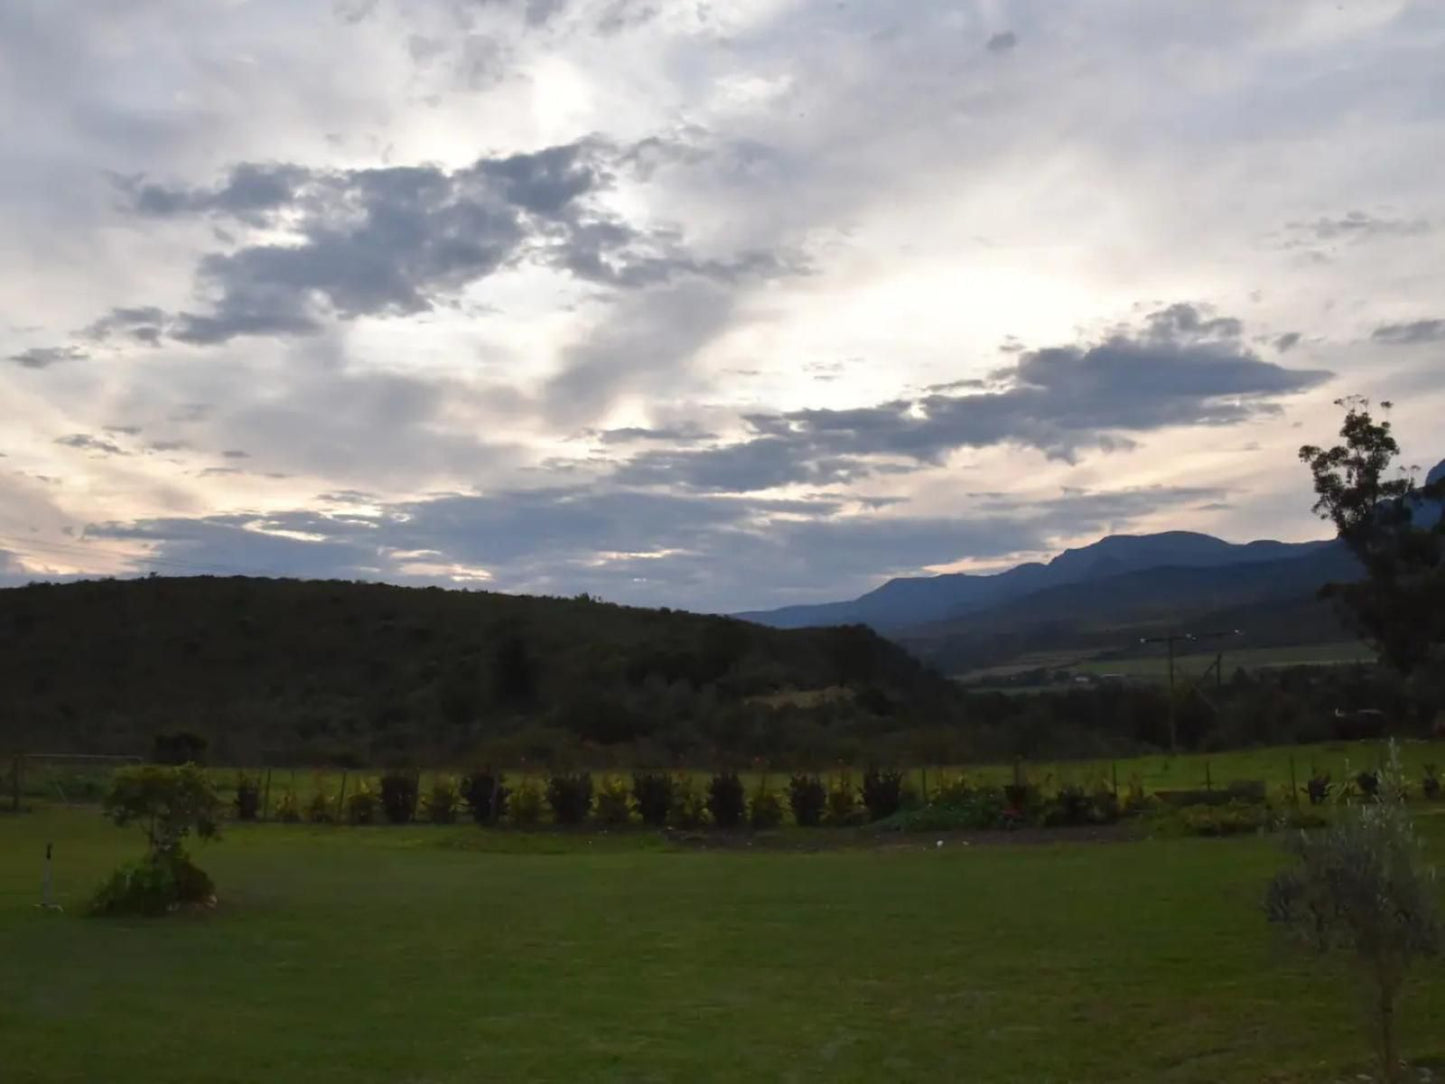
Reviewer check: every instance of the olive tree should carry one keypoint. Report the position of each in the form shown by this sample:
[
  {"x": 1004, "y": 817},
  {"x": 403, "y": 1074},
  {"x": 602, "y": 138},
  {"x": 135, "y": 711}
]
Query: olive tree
[{"x": 1360, "y": 887}]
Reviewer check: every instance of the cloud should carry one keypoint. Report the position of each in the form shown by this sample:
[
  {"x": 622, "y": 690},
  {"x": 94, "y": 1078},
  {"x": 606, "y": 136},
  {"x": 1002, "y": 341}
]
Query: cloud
[
  {"x": 1358, "y": 226},
  {"x": 42, "y": 357},
  {"x": 88, "y": 443},
  {"x": 1184, "y": 367},
  {"x": 1002, "y": 42},
  {"x": 1410, "y": 334},
  {"x": 1287, "y": 342},
  {"x": 397, "y": 241},
  {"x": 679, "y": 434}
]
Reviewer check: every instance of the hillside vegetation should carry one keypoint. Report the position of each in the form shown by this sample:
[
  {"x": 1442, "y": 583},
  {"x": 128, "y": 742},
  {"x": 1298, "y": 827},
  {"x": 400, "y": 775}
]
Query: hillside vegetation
[{"x": 317, "y": 672}]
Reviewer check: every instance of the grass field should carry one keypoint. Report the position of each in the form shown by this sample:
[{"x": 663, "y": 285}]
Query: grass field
[
  {"x": 1153, "y": 664},
  {"x": 456, "y": 954}
]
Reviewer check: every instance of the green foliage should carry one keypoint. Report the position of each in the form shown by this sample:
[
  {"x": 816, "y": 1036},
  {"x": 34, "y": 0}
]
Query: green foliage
[
  {"x": 614, "y": 803},
  {"x": 882, "y": 793},
  {"x": 690, "y": 807},
  {"x": 362, "y": 805},
  {"x": 1318, "y": 788},
  {"x": 321, "y": 809},
  {"x": 654, "y": 793},
  {"x": 443, "y": 801},
  {"x": 765, "y": 810},
  {"x": 525, "y": 807},
  {"x": 726, "y": 802},
  {"x": 288, "y": 807},
  {"x": 152, "y": 887},
  {"x": 570, "y": 796},
  {"x": 399, "y": 794},
  {"x": 1361, "y": 886},
  {"x": 170, "y": 803},
  {"x": 248, "y": 796},
  {"x": 1368, "y": 784},
  {"x": 1430, "y": 783},
  {"x": 807, "y": 798},
  {"x": 842, "y": 808},
  {"x": 486, "y": 795}
]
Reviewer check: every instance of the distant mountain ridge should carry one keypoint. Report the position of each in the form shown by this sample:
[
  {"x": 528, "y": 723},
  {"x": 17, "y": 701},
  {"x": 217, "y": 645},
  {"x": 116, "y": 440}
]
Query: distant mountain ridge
[{"x": 913, "y": 601}]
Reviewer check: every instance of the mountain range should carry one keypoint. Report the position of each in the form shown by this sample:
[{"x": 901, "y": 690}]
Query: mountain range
[{"x": 1108, "y": 594}]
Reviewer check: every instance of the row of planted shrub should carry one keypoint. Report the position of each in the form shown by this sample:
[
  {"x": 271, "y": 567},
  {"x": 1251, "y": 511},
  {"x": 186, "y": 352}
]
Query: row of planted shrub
[{"x": 662, "y": 799}]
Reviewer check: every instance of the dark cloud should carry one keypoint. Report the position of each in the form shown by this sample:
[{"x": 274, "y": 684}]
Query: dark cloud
[
  {"x": 1002, "y": 42},
  {"x": 1184, "y": 367},
  {"x": 1410, "y": 334},
  {"x": 1358, "y": 226},
  {"x": 236, "y": 453},
  {"x": 1287, "y": 342},
  {"x": 86, "y": 442},
  {"x": 167, "y": 446},
  {"x": 124, "y": 430},
  {"x": 679, "y": 434},
  {"x": 42, "y": 357},
  {"x": 394, "y": 241}
]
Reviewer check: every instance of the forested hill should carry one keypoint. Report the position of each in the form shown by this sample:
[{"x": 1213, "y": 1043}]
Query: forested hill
[{"x": 326, "y": 671}]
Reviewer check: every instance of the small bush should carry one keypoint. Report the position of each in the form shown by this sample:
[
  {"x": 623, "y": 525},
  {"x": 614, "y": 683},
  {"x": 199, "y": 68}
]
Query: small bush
[
  {"x": 807, "y": 798},
  {"x": 524, "y": 808},
  {"x": 654, "y": 793},
  {"x": 882, "y": 793},
  {"x": 152, "y": 887},
  {"x": 951, "y": 791},
  {"x": 442, "y": 801},
  {"x": 248, "y": 797},
  {"x": 1430, "y": 784},
  {"x": 322, "y": 808},
  {"x": 1070, "y": 806},
  {"x": 614, "y": 803},
  {"x": 765, "y": 810},
  {"x": 399, "y": 793},
  {"x": 1318, "y": 789},
  {"x": 842, "y": 807},
  {"x": 690, "y": 806},
  {"x": 570, "y": 797},
  {"x": 288, "y": 807},
  {"x": 486, "y": 795},
  {"x": 725, "y": 800},
  {"x": 1368, "y": 784},
  {"x": 362, "y": 805}
]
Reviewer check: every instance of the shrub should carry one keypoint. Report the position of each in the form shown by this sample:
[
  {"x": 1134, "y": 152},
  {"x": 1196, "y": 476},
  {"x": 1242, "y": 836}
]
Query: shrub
[
  {"x": 1361, "y": 887},
  {"x": 842, "y": 807},
  {"x": 172, "y": 803},
  {"x": 951, "y": 791},
  {"x": 442, "y": 801},
  {"x": 288, "y": 807},
  {"x": 486, "y": 795},
  {"x": 570, "y": 797},
  {"x": 399, "y": 792},
  {"x": 690, "y": 807},
  {"x": 1430, "y": 784},
  {"x": 807, "y": 798},
  {"x": 1070, "y": 806},
  {"x": 614, "y": 803},
  {"x": 725, "y": 800},
  {"x": 766, "y": 809},
  {"x": 1318, "y": 788},
  {"x": 882, "y": 793},
  {"x": 362, "y": 805},
  {"x": 322, "y": 808},
  {"x": 654, "y": 793},
  {"x": 1368, "y": 784},
  {"x": 524, "y": 808},
  {"x": 248, "y": 797}
]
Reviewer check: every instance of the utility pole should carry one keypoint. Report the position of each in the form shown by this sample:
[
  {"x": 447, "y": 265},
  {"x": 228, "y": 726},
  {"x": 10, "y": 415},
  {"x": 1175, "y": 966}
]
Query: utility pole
[{"x": 1170, "y": 640}]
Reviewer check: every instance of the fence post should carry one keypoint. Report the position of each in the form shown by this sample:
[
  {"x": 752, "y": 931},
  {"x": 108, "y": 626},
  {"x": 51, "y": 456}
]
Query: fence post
[
  {"x": 341, "y": 798},
  {"x": 266, "y": 797},
  {"x": 1293, "y": 783},
  {"x": 1208, "y": 779}
]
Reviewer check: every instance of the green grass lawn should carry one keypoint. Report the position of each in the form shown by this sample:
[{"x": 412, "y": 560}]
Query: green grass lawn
[{"x": 431, "y": 955}]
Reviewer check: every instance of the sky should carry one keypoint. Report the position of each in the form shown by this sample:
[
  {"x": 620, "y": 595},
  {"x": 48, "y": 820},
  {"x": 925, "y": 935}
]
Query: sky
[{"x": 691, "y": 303}]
